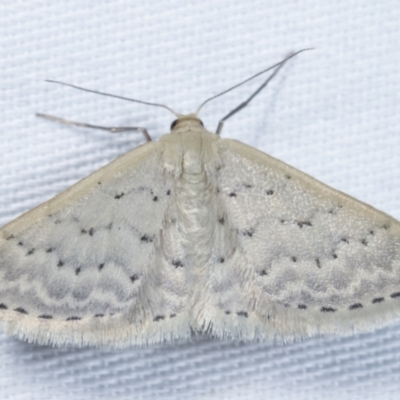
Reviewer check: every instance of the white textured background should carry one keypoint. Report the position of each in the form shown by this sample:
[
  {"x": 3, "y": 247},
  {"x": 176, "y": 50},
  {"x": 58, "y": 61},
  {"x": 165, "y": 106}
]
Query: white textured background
[{"x": 333, "y": 113}]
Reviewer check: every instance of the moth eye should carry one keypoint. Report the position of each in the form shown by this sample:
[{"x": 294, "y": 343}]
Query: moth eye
[{"x": 173, "y": 125}]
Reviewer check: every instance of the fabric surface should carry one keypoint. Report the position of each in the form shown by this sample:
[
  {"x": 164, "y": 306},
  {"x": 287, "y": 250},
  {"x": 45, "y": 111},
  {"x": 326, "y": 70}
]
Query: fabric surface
[{"x": 331, "y": 112}]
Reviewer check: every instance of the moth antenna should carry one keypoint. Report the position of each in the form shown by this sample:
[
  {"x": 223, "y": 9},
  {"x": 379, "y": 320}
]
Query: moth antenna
[
  {"x": 114, "y": 96},
  {"x": 278, "y": 66}
]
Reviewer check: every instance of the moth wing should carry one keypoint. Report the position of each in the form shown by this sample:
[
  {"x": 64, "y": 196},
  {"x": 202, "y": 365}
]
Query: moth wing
[
  {"x": 85, "y": 268},
  {"x": 309, "y": 259}
]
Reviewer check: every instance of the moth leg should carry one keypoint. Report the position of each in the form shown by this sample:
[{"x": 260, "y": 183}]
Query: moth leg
[{"x": 104, "y": 128}]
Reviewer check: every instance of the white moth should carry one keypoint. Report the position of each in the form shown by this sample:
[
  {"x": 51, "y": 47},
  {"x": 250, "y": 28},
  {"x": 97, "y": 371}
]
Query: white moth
[{"x": 194, "y": 232}]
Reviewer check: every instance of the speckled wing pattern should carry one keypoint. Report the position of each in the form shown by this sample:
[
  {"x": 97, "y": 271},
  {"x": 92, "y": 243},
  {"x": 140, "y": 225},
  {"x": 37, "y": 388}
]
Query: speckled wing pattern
[
  {"x": 83, "y": 268},
  {"x": 197, "y": 233},
  {"x": 314, "y": 259}
]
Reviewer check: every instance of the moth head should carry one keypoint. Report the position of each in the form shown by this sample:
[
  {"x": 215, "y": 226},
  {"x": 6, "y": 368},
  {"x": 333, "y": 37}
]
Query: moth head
[{"x": 184, "y": 119}]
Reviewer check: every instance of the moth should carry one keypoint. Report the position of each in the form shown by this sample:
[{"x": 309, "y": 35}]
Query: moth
[{"x": 197, "y": 233}]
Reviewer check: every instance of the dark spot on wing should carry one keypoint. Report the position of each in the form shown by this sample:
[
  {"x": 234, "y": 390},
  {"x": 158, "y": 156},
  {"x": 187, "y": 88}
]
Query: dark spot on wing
[
  {"x": 263, "y": 272},
  {"x": 344, "y": 240},
  {"x": 378, "y": 300},
  {"x": 99, "y": 315},
  {"x": 242, "y": 314},
  {"x": 109, "y": 226},
  {"x": 334, "y": 255},
  {"x": 10, "y": 237},
  {"x": 168, "y": 192},
  {"x": 303, "y": 223},
  {"x": 364, "y": 242},
  {"x": 328, "y": 309},
  {"x": 147, "y": 238},
  {"x": 232, "y": 194},
  {"x": 221, "y": 260},
  {"x": 371, "y": 232},
  {"x": 335, "y": 209},
  {"x": 227, "y": 312},
  {"x": 134, "y": 278},
  {"x": 31, "y": 251},
  {"x": 221, "y": 220},
  {"x": 3, "y": 307},
  {"x": 294, "y": 259},
  {"x": 21, "y": 310},
  {"x": 355, "y": 306},
  {"x": 385, "y": 226},
  {"x": 45, "y": 316},
  {"x": 20, "y": 243},
  {"x": 172, "y": 315},
  {"x": 99, "y": 183},
  {"x": 302, "y": 306},
  {"x": 318, "y": 262},
  {"x": 158, "y": 318},
  {"x": 78, "y": 270},
  {"x": 101, "y": 266},
  {"x": 248, "y": 232},
  {"x": 118, "y": 196},
  {"x": 60, "y": 263},
  {"x": 288, "y": 177},
  {"x": 49, "y": 250},
  {"x": 270, "y": 192},
  {"x": 73, "y": 318},
  {"x": 155, "y": 198},
  {"x": 395, "y": 295},
  {"x": 177, "y": 263},
  {"x": 247, "y": 185},
  {"x": 90, "y": 231}
]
